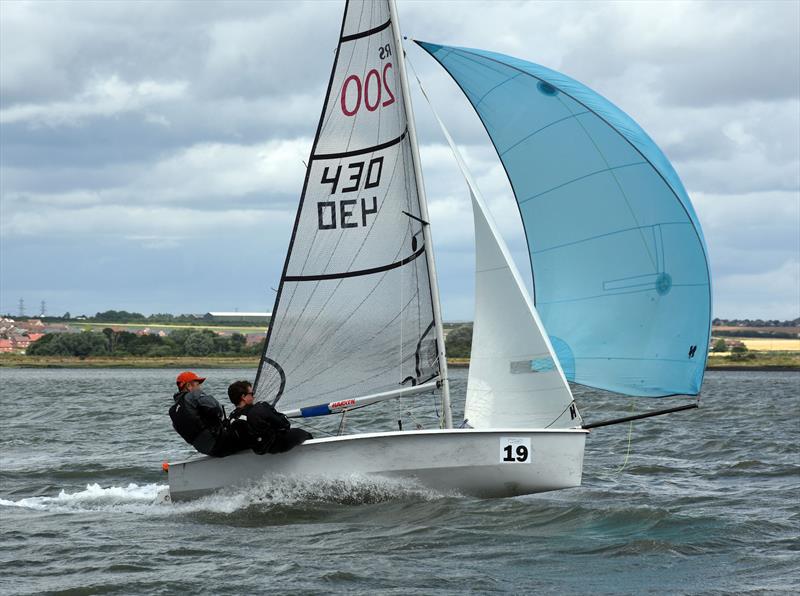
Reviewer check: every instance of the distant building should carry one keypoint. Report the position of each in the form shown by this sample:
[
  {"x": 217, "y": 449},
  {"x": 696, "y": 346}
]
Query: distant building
[
  {"x": 6, "y": 345},
  {"x": 240, "y": 317},
  {"x": 252, "y": 339},
  {"x": 21, "y": 343}
]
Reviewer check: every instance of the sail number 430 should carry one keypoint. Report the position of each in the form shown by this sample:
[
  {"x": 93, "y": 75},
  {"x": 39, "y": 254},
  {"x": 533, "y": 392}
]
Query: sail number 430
[{"x": 515, "y": 450}]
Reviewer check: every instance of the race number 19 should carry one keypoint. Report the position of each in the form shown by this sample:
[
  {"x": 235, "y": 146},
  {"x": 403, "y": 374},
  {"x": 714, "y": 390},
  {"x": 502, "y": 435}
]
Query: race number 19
[{"x": 515, "y": 450}]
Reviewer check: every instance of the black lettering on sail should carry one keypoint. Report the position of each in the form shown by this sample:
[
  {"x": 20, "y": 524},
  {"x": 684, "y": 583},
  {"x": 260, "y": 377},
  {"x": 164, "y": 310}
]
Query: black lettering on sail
[
  {"x": 365, "y": 211},
  {"x": 333, "y": 181},
  {"x": 347, "y": 214},
  {"x": 374, "y": 178},
  {"x": 356, "y": 177},
  {"x": 330, "y": 206}
]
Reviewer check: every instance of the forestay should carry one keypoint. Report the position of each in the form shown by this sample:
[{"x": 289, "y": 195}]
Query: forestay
[
  {"x": 354, "y": 313},
  {"x": 620, "y": 274}
]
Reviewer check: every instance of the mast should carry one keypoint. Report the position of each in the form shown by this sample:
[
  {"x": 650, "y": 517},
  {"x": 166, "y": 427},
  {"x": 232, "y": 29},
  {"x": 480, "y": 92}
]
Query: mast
[{"x": 423, "y": 207}]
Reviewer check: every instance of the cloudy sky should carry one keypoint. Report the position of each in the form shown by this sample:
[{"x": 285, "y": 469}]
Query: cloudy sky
[{"x": 151, "y": 153}]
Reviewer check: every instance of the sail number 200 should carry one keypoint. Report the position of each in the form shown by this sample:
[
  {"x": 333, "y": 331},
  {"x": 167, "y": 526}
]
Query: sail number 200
[{"x": 371, "y": 90}]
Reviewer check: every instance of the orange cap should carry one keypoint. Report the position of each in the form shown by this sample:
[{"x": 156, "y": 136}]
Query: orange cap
[{"x": 187, "y": 376}]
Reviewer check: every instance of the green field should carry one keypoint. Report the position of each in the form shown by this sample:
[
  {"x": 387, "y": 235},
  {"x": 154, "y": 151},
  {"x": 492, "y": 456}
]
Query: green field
[
  {"x": 761, "y": 360},
  {"x": 184, "y": 362}
]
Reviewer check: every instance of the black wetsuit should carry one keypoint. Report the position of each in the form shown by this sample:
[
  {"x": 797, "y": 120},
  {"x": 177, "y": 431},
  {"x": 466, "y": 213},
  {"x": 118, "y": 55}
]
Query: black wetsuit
[
  {"x": 265, "y": 430},
  {"x": 200, "y": 420}
]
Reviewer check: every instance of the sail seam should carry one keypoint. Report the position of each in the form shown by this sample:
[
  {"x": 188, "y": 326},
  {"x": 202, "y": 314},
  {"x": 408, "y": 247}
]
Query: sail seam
[
  {"x": 355, "y": 152},
  {"x": 367, "y": 33},
  {"x": 589, "y": 175},
  {"x": 646, "y": 288},
  {"x": 327, "y": 276},
  {"x": 490, "y": 269},
  {"x": 595, "y": 237},
  {"x": 538, "y": 130},
  {"x": 508, "y": 80}
]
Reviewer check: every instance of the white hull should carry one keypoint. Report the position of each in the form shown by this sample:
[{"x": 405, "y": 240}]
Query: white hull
[{"x": 467, "y": 461}]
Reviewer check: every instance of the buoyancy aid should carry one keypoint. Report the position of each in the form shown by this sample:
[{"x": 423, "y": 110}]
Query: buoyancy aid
[
  {"x": 257, "y": 425},
  {"x": 199, "y": 419},
  {"x": 185, "y": 418}
]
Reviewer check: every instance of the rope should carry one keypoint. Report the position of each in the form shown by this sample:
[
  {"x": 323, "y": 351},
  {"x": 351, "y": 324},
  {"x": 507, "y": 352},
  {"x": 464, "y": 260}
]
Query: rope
[
  {"x": 312, "y": 427},
  {"x": 628, "y": 450},
  {"x": 569, "y": 405},
  {"x": 341, "y": 423},
  {"x": 417, "y": 425}
]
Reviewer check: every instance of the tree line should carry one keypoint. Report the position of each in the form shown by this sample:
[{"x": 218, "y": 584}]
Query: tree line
[
  {"x": 124, "y": 316},
  {"x": 754, "y": 323},
  {"x": 458, "y": 342},
  {"x": 181, "y": 342}
]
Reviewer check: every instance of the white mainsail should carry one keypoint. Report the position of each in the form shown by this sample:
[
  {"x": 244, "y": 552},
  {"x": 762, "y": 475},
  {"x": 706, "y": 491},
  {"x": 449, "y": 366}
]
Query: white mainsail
[
  {"x": 357, "y": 306},
  {"x": 515, "y": 380}
]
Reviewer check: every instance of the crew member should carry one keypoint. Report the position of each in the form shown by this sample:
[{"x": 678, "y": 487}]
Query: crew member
[
  {"x": 260, "y": 426},
  {"x": 199, "y": 419}
]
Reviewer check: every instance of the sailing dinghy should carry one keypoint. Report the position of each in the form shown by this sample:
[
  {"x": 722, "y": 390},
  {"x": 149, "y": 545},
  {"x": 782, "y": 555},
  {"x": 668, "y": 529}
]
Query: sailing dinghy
[{"x": 357, "y": 319}]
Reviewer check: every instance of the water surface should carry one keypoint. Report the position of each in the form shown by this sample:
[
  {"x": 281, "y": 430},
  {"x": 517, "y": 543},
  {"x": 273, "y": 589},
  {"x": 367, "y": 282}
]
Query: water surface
[{"x": 706, "y": 502}]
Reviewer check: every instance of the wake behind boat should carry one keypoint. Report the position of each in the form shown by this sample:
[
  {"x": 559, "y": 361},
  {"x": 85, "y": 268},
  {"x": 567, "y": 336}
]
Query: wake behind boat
[{"x": 357, "y": 320}]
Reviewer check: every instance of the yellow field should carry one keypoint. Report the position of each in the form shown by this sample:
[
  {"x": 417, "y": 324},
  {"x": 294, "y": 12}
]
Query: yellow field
[{"x": 764, "y": 344}]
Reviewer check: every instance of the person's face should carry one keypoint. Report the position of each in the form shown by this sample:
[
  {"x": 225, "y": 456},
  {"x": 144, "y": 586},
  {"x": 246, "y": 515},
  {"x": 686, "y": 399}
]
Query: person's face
[
  {"x": 192, "y": 385},
  {"x": 249, "y": 398}
]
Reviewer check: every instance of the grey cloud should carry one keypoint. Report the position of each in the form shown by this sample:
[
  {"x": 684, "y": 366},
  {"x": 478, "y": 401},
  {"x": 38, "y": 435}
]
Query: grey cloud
[
  {"x": 714, "y": 83},
  {"x": 699, "y": 53}
]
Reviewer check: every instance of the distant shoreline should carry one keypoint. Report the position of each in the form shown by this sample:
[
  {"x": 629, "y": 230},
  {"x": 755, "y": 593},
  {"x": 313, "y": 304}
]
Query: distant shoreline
[{"x": 779, "y": 362}]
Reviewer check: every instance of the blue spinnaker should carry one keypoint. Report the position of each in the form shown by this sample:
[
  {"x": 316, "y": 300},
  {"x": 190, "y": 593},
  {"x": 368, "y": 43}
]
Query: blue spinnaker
[{"x": 620, "y": 273}]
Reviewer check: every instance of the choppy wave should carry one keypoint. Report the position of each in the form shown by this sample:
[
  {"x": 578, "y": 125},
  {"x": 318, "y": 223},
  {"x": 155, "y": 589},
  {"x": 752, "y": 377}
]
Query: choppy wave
[
  {"x": 694, "y": 503},
  {"x": 277, "y": 491},
  {"x": 93, "y": 497}
]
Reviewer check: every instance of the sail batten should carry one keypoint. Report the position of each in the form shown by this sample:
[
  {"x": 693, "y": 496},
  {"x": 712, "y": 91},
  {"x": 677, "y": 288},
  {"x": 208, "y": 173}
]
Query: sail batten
[
  {"x": 354, "y": 307},
  {"x": 618, "y": 259}
]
